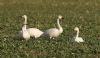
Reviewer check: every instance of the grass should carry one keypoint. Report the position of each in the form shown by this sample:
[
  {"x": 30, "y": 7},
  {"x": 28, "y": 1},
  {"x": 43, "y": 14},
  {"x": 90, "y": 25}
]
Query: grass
[{"x": 42, "y": 14}]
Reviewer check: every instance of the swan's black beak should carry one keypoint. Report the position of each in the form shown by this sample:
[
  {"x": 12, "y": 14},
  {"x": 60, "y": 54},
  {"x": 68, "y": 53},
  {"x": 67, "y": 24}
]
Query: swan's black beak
[{"x": 62, "y": 18}]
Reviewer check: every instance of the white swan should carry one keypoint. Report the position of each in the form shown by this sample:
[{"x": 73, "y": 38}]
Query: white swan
[
  {"x": 34, "y": 32},
  {"x": 77, "y": 38},
  {"x": 24, "y": 33},
  {"x": 54, "y": 32}
]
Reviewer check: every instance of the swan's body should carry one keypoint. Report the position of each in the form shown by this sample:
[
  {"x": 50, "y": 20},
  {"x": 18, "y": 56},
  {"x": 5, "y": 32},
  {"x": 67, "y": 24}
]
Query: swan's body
[
  {"x": 24, "y": 33},
  {"x": 77, "y": 38},
  {"x": 54, "y": 32},
  {"x": 34, "y": 32}
]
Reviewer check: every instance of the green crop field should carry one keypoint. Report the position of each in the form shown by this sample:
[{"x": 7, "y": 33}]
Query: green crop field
[{"x": 42, "y": 14}]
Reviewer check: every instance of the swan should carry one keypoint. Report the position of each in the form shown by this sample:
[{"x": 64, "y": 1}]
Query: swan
[
  {"x": 34, "y": 32},
  {"x": 54, "y": 32},
  {"x": 77, "y": 38},
  {"x": 24, "y": 33}
]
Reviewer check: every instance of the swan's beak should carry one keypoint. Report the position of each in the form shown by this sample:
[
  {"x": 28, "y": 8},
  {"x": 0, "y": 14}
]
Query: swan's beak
[{"x": 62, "y": 18}]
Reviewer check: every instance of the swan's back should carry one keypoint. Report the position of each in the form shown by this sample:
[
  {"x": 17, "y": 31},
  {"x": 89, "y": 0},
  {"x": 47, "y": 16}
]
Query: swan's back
[
  {"x": 76, "y": 39},
  {"x": 79, "y": 39},
  {"x": 34, "y": 32},
  {"x": 53, "y": 32}
]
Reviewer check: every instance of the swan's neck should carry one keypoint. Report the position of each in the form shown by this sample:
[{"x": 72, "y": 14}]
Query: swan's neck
[
  {"x": 59, "y": 26},
  {"x": 25, "y": 22},
  {"x": 77, "y": 35},
  {"x": 24, "y": 28}
]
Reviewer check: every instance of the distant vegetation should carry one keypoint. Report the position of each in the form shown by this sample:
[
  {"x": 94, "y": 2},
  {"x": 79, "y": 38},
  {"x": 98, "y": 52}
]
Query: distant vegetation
[{"x": 42, "y": 14}]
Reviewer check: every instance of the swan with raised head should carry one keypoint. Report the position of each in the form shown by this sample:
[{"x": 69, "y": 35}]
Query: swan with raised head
[
  {"x": 54, "y": 32},
  {"x": 77, "y": 38},
  {"x": 34, "y": 32}
]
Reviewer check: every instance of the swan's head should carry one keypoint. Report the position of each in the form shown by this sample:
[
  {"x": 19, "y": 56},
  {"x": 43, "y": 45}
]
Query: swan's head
[
  {"x": 24, "y": 16},
  {"x": 76, "y": 29},
  {"x": 60, "y": 17}
]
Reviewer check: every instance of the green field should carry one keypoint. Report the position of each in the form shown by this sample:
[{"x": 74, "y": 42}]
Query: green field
[{"x": 42, "y": 14}]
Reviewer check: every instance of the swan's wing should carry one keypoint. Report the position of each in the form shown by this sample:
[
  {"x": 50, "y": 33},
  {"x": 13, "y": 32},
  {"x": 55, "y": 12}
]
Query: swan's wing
[
  {"x": 51, "y": 31},
  {"x": 34, "y": 29},
  {"x": 81, "y": 39},
  {"x": 74, "y": 39},
  {"x": 34, "y": 32}
]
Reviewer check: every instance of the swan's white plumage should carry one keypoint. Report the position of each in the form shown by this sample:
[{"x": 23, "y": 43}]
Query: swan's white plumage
[
  {"x": 24, "y": 33},
  {"x": 34, "y": 32},
  {"x": 54, "y": 32},
  {"x": 77, "y": 38}
]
